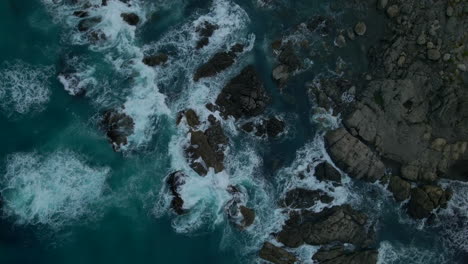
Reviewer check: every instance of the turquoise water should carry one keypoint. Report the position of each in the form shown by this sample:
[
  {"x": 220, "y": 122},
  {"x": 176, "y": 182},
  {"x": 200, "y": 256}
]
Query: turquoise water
[{"x": 69, "y": 198}]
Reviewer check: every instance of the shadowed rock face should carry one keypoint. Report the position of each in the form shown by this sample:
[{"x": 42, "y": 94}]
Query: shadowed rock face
[
  {"x": 427, "y": 198},
  {"x": 218, "y": 63},
  {"x": 326, "y": 172},
  {"x": 303, "y": 198},
  {"x": 118, "y": 127},
  {"x": 276, "y": 255},
  {"x": 175, "y": 180},
  {"x": 271, "y": 127},
  {"x": 205, "y": 31},
  {"x": 338, "y": 255},
  {"x": 337, "y": 224},
  {"x": 155, "y": 60},
  {"x": 243, "y": 96},
  {"x": 353, "y": 156},
  {"x": 131, "y": 18}
]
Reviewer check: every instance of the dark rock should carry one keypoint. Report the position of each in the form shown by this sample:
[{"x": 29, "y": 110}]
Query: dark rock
[
  {"x": 154, "y": 60},
  {"x": 427, "y": 198},
  {"x": 336, "y": 224},
  {"x": 353, "y": 156},
  {"x": 87, "y": 23},
  {"x": 303, "y": 198},
  {"x": 248, "y": 216},
  {"x": 192, "y": 118},
  {"x": 289, "y": 58},
  {"x": 321, "y": 25},
  {"x": 276, "y": 255},
  {"x": 218, "y": 63},
  {"x": 339, "y": 255},
  {"x": 175, "y": 180},
  {"x": 326, "y": 172},
  {"x": 243, "y": 96},
  {"x": 400, "y": 188},
  {"x": 205, "y": 31},
  {"x": 118, "y": 127},
  {"x": 274, "y": 127},
  {"x": 81, "y": 13},
  {"x": 209, "y": 147},
  {"x": 271, "y": 127},
  {"x": 131, "y": 18}
]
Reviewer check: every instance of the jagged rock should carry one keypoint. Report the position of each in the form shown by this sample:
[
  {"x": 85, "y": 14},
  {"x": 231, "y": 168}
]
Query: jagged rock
[
  {"x": 81, "y": 13},
  {"x": 131, "y": 18},
  {"x": 276, "y": 255},
  {"x": 192, "y": 118},
  {"x": 248, "y": 216},
  {"x": 329, "y": 93},
  {"x": 393, "y": 11},
  {"x": 302, "y": 198},
  {"x": 336, "y": 224},
  {"x": 175, "y": 180},
  {"x": 155, "y": 60},
  {"x": 339, "y": 255},
  {"x": 360, "y": 28},
  {"x": 400, "y": 188},
  {"x": 87, "y": 23},
  {"x": 206, "y": 149},
  {"x": 118, "y": 126},
  {"x": 427, "y": 198},
  {"x": 218, "y": 63},
  {"x": 281, "y": 73},
  {"x": 353, "y": 156},
  {"x": 321, "y": 25},
  {"x": 243, "y": 96},
  {"x": 271, "y": 127},
  {"x": 326, "y": 172},
  {"x": 205, "y": 31}
]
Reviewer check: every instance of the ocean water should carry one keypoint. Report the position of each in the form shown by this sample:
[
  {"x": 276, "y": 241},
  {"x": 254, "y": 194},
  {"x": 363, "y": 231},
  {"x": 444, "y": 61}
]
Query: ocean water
[{"x": 69, "y": 198}]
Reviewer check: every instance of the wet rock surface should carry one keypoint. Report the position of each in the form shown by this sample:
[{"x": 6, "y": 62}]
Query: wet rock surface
[
  {"x": 118, "y": 127},
  {"x": 303, "y": 198},
  {"x": 427, "y": 198},
  {"x": 156, "y": 59},
  {"x": 131, "y": 18},
  {"x": 205, "y": 31},
  {"x": 218, "y": 63},
  {"x": 271, "y": 127},
  {"x": 243, "y": 96},
  {"x": 175, "y": 180},
  {"x": 276, "y": 254},
  {"x": 326, "y": 172},
  {"x": 336, "y": 224},
  {"x": 339, "y": 255}
]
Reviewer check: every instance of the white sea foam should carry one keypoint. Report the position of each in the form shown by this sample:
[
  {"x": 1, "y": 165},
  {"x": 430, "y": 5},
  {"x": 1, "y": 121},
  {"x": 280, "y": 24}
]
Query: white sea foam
[
  {"x": 23, "y": 87},
  {"x": 51, "y": 190},
  {"x": 394, "y": 253}
]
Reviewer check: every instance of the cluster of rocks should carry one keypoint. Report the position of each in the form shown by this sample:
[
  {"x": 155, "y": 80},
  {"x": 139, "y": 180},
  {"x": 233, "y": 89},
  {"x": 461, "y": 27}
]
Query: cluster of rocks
[
  {"x": 205, "y": 31},
  {"x": 271, "y": 127},
  {"x": 155, "y": 59}
]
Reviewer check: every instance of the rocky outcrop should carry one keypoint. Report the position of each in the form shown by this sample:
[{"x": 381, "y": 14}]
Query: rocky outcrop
[
  {"x": 336, "y": 224},
  {"x": 238, "y": 213},
  {"x": 155, "y": 60},
  {"x": 271, "y": 127},
  {"x": 218, "y": 63},
  {"x": 353, "y": 156},
  {"x": 326, "y": 172},
  {"x": 87, "y": 23},
  {"x": 303, "y": 198},
  {"x": 175, "y": 180},
  {"x": 339, "y": 255},
  {"x": 243, "y": 96},
  {"x": 205, "y": 31},
  {"x": 206, "y": 149},
  {"x": 191, "y": 118},
  {"x": 118, "y": 127},
  {"x": 131, "y": 18},
  {"x": 276, "y": 254},
  {"x": 427, "y": 198},
  {"x": 288, "y": 63}
]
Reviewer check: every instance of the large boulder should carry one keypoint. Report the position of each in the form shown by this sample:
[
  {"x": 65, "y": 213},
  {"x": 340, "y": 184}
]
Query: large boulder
[
  {"x": 336, "y": 224},
  {"x": 218, "y": 63},
  {"x": 427, "y": 198},
  {"x": 206, "y": 149},
  {"x": 326, "y": 172},
  {"x": 175, "y": 180},
  {"x": 353, "y": 156},
  {"x": 276, "y": 254},
  {"x": 304, "y": 198},
  {"x": 118, "y": 127},
  {"x": 400, "y": 188},
  {"x": 131, "y": 18},
  {"x": 243, "y": 96},
  {"x": 339, "y": 255}
]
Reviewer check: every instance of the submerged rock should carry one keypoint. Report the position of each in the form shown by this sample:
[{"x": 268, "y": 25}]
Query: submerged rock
[
  {"x": 339, "y": 255},
  {"x": 302, "y": 198},
  {"x": 87, "y": 23},
  {"x": 243, "y": 96},
  {"x": 336, "y": 224},
  {"x": 118, "y": 126},
  {"x": 155, "y": 60},
  {"x": 205, "y": 31},
  {"x": 271, "y": 127},
  {"x": 276, "y": 255},
  {"x": 175, "y": 180}
]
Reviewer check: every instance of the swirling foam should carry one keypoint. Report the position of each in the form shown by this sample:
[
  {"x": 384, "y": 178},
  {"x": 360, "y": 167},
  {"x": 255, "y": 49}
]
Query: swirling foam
[
  {"x": 51, "y": 190},
  {"x": 23, "y": 87}
]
